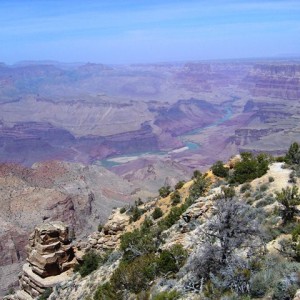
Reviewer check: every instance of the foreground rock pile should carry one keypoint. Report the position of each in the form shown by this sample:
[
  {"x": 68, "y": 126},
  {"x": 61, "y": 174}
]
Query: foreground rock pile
[
  {"x": 109, "y": 237},
  {"x": 50, "y": 256}
]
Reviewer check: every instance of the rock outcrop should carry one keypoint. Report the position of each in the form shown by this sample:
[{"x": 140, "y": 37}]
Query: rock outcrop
[
  {"x": 50, "y": 257},
  {"x": 278, "y": 81},
  {"x": 109, "y": 237}
]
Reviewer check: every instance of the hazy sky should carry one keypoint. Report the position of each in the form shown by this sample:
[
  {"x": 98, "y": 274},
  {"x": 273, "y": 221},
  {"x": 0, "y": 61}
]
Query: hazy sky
[{"x": 126, "y": 31}]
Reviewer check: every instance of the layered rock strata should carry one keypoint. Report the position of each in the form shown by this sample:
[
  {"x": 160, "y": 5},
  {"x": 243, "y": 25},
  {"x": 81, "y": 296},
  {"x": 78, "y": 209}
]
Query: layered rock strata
[
  {"x": 50, "y": 257},
  {"x": 278, "y": 81}
]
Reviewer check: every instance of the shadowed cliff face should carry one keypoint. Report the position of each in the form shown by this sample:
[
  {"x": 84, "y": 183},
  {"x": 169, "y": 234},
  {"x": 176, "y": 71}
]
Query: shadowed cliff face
[
  {"x": 30, "y": 142},
  {"x": 187, "y": 115}
]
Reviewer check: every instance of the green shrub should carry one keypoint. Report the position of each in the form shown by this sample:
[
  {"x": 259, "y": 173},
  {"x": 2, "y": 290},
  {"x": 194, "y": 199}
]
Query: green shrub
[
  {"x": 175, "y": 198},
  {"x": 138, "y": 242},
  {"x": 100, "y": 227},
  {"x": 136, "y": 275},
  {"x": 171, "y": 260},
  {"x": 245, "y": 187},
  {"x": 196, "y": 174},
  {"x": 247, "y": 195},
  {"x": 289, "y": 198},
  {"x": 171, "y": 295},
  {"x": 284, "y": 290},
  {"x": 250, "y": 167},
  {"x": 199, "y": 187},
  {"x": 107, "y": 292},
  {"x": 136, "y": 213},
  {"x": 295, "y": 243},
  {"x": 259, "y": 285},
  {"x": 164, "y": 191},
  {"x": 90, "y": 263},
  {"x": 265, "y": 201},
  {"x": 179, "y": 185},
  {"x": 226, "y": 193},
  {"x": 46, "y": 294},
  {"x": 271, "y": 179},
  {"x": 11, "y": 291},
  {"x": 263, "y": 187},
  {"x": 280, "y": 159},
  {"x": 293, "y": 154},
  {"x": 139, "y": 202},
  {"x": 122, "y": 210},
  {"x": 157, "y": 213},
  {"x": 171, "y": 218},
  {"x": 219, "y": 170},
  {"x": 292, "y": 177}
]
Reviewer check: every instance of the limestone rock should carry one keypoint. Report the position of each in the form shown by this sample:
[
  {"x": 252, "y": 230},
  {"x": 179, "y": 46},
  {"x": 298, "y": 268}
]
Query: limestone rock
[
  {"x": 50, "y": 256},
  {"x": 116, "y": 223}
]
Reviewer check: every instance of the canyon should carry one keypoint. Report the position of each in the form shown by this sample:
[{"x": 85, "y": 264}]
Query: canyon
[{"x": 78, "y": 140}]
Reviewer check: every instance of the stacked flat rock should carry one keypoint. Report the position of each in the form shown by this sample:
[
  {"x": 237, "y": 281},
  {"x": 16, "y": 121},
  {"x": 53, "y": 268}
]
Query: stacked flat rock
[
  {"x": 50, "y": 255},
  {"x": 109, "y": 237}
]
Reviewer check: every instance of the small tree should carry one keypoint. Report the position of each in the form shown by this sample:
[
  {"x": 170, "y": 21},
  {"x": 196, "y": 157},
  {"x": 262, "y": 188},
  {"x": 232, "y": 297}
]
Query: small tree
[
  {"x": 90, "y": 263},
  {"x": 295, "y": 243},
  {"x": 164, "y": 191},
  {"x": 196, "y": 174},
  {"x": 289, "y": 198},
  {"x": 219, "y": 170},
  {"x": 179, "y": 185},
  {"x": 136, "y": 214},
  {"x": 199, "y": 187},
  {"x": 175, "y": 198},
  {"x": 293, "y": 154},
  {"x": 157, "y": 213},
  {"x": 230, "y": 238},
  {"x": 250, "y": 167}
]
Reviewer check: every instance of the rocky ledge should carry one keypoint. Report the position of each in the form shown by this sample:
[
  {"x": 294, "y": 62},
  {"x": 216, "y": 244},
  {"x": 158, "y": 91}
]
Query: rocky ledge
[{"x": 50, "y": 258}]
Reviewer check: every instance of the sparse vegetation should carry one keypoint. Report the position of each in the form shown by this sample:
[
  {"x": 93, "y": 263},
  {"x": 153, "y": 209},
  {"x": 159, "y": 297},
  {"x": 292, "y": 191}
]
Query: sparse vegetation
[
  {"x": 90, "y": 263},
  {"x": 135, "y": 211},
  {"x": 245, "y": 187},
  {"x": 295, "y": 243},
  {"x": 250, "y": 167},
  {"x": 263, "y": 188},
  {"x": 216, "y": 263},
  {"x": 220, "y": 170},
  {"x": 164, "y": 191},
  {"x": 171, "y": 260},
  {"x": 157, "y": 213},
  {"x": 230, "y": 262},
  {"x": 271, "y": 179},
  {"x": 293, "y": 154},
  {"x": 175, "y": 198},
  {"x": 100, "y": 227},
  {"x": 289, "y": 198},
  {"x": 172, "y": 295},
  {"x": 200, "y": 185},
  {"x": 136, "y": 214},
  {"x": 179, "y": 185}
]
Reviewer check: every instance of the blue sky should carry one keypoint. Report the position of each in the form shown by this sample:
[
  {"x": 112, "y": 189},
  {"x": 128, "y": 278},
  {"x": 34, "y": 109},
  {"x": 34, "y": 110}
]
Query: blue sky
[{"x": 131, "y": 31}]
